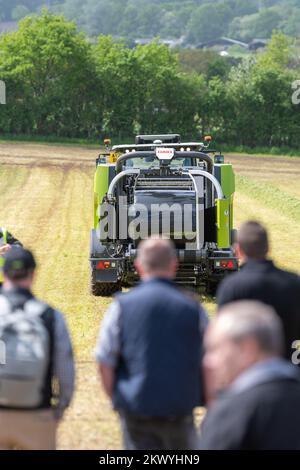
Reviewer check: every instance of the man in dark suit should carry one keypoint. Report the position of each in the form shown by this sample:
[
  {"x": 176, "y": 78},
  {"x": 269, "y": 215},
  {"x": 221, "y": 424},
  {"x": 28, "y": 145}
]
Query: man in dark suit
[
  {"x": 259, "y": 279},
  {"x": 259, "y": 407}
]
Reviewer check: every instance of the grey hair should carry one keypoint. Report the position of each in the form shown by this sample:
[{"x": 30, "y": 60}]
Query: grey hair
[{"x": 243, "y": 319}]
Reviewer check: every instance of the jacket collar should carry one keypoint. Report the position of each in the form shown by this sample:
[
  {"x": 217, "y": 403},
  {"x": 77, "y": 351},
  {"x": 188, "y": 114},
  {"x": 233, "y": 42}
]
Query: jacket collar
[
  {"x": 17, "y": 296},
  {"x": 264, "y": 372},
  {"x": 162, "y": 280}
]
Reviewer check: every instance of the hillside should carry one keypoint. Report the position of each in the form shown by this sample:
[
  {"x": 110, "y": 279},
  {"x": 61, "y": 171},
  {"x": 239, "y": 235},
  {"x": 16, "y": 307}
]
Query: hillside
[{"x": 194, "y": 21}]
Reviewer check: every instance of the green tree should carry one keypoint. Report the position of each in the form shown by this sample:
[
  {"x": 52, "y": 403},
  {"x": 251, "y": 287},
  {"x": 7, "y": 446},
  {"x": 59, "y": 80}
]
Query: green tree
[
  {"x": 260, "y": 95},
  {"x": 118, "y": 72},
  {"x": 207, "y": 22},
  {"x": 51, "y": 78},
  {"x": 100, "y": 16},
  {"x": 206, "y": 62},
  {"x": 277, "y": 53},
  {"x": 158, "y": 80},
  {"x": 19, "y": 12},
  {"x": 257, "y": 25}
]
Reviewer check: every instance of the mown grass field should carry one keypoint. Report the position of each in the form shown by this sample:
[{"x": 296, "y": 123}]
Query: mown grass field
[{"x": 46, "y": 201}]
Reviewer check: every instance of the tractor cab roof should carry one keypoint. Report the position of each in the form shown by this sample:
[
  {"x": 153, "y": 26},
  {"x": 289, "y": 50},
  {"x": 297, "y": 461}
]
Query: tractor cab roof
[
  {"x": 147, "y": 147},
  {"x": 152, "y": 142},
  {"x": 184, "y": 146}
]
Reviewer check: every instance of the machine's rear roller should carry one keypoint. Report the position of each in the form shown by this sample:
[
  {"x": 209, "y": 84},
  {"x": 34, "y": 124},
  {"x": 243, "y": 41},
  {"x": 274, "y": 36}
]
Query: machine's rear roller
[
  {"x": 212, "y": 287},
  {"x": 104, "y": 289}
]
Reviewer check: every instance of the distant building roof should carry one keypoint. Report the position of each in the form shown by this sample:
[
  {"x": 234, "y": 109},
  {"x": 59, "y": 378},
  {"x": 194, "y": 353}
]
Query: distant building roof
[
  {"x": 227, "y": 42},
  {"x": 7, "y": 26},
  {"x": 258, "y": 44}
]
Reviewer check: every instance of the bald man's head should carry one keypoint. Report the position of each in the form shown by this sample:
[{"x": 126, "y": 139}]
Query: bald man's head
[{"x": 156, "y": 258}]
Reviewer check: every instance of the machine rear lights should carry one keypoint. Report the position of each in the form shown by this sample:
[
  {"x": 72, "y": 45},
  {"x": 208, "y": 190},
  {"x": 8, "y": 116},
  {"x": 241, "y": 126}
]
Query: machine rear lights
[
  {"x": 225, "y": 264},
  {"x": 105, "y": 265}
]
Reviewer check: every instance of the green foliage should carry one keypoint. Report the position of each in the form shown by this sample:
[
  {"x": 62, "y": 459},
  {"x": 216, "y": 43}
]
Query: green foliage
[
  {"x": 195, "y": 20},
  {"x": 278, "y": 53},
  {"x": 19, "y": 12},
  {"x": 257, "y": 25},
  {"x": 208, "y": 22},
  {"x": 50, "y": 78},
  {"x": 17, "y": 9}
]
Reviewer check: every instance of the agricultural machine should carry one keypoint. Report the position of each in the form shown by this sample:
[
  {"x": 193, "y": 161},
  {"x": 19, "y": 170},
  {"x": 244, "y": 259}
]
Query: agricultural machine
[{"x": 160, "y": 186}]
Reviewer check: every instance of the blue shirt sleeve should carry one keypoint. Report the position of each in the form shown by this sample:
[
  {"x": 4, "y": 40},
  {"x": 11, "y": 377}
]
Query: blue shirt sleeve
[
  {"x": 63, "y": 363},
  {"x": 203, "y": 320}
]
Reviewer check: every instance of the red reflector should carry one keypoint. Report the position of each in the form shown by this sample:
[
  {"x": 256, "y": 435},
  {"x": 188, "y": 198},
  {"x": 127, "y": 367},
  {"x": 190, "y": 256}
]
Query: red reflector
[
  {"x": 224, "y": 264},
  {"x": 103, "y": 265},
  {"x": 230, "y": 264}
]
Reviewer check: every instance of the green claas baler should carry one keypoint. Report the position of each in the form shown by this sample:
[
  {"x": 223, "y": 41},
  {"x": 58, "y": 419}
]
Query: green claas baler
[{"x": 160, "y": 186}]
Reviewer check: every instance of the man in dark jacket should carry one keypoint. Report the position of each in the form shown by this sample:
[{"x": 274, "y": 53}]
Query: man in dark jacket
[
  {"x": 258, "y": 406},
  {"x": 259, "y": 279},
  {"x": 149, "y": 355}
]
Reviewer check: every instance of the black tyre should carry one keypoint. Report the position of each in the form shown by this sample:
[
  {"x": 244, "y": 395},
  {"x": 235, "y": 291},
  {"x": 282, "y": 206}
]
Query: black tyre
[
  {"x": 103, "y": 289},
  {"x": 211, "y": 288}
]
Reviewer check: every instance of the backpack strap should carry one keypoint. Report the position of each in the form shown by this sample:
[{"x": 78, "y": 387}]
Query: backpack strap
[
  {"x": 49, "y": 391},
  {"x": 31, "y": 308}
]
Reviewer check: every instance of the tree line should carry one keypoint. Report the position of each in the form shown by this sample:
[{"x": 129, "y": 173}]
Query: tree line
[
  {"x": 60, "y": 84},
  {"x": 194, "y": 20}
]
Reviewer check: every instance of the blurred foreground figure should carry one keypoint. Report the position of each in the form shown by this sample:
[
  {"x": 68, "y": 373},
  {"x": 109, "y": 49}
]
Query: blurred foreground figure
[
  {"x": 149, "y": 354},
  {"x": 259, "y": 279},
  {"x": 36, "y": 361},
  {"x": 256, "y": 393}
]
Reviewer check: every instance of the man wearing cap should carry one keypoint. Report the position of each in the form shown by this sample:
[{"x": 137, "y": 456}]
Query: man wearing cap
[
  {"x": 38, "y": 355},
  {"x": 7, "y": 240}
]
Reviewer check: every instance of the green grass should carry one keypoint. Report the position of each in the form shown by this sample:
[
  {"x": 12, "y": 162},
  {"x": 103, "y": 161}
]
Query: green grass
[
  {"x": 86, "y": 142},
  {"x": 271, "y": 195},
  {"x": 96, "y": 142},
  {"x": 49, "y": 207}
]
